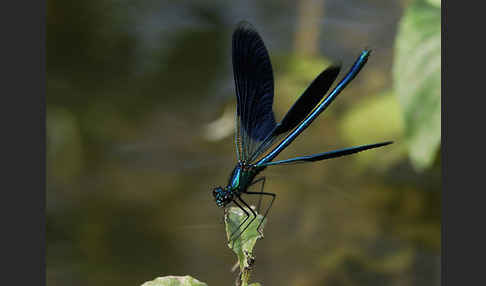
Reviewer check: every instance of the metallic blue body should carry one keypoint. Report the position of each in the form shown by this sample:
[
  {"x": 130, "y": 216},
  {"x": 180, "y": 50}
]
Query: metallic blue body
[{"x": 256, "y": 128}]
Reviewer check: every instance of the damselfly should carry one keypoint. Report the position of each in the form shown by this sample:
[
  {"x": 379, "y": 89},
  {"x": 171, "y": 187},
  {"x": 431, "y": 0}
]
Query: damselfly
[{"x": 256, "y": 128}]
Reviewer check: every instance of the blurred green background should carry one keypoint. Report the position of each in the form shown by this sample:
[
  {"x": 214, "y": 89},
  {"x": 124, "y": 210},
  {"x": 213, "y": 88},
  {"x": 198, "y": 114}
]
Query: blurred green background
[{"x": 140, "y": 109}]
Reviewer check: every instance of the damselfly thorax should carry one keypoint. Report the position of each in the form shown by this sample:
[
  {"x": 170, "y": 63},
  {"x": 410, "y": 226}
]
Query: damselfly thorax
[{"x": 242, "y": 177}]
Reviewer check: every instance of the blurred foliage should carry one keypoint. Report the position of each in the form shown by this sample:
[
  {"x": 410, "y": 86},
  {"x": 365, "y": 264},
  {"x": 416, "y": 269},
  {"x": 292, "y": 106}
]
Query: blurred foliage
[
  {"x": 64, "y": 149},
  {"x": 417, "y": 80},
  {"x": 293, "y": 74},
  {"x": 375, "y": 118},
  {"x": 131, "y": 87},
  {"x": 174, "y": 281},
  {"x": 436, "y": 3}
]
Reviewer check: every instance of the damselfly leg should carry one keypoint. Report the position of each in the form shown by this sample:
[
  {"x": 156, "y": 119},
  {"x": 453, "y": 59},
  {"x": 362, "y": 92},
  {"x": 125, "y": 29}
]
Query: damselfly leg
[
  {"x": 242, "y": 223},
  {"x": 262, "y": 179},
  {"x": 269, "y": 207},
  {"x": 251, "y": 220}
]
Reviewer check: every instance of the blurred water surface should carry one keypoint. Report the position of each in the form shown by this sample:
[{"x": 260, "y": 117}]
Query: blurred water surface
[{"x": 133, "y": 88}]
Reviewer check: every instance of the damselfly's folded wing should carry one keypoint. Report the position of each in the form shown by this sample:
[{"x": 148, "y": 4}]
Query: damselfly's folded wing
[
  {"x": 301, "y": 108},
  {"x": 253, "y": 76}
]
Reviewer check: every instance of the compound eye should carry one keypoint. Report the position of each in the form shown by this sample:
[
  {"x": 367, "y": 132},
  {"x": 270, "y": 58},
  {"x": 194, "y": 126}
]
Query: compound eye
[{"x": 216, "y": 191}]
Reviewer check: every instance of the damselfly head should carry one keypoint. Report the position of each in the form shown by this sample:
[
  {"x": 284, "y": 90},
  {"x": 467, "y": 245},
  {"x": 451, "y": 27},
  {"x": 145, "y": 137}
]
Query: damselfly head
[{"x": 222, "y": 196}]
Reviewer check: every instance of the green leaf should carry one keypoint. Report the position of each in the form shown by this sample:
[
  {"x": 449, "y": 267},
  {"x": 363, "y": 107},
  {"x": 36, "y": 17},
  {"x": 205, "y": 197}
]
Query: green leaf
[
  {"x": 174, "y": 281},
  {"x": 417, "y": 76},
  {"x": 243, "y": 245}
]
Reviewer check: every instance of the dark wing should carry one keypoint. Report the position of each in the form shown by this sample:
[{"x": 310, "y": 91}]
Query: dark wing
[
  {"x": 301, "y": 108},
  {"x": 254, "y": 90},
  {"x": 328, "y": 155},
  {"x": 357, "y": 66}
]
